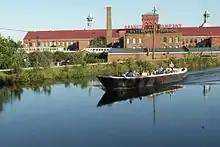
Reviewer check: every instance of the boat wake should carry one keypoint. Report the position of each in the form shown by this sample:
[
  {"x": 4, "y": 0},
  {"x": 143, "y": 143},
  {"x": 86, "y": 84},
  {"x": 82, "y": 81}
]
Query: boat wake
[{"x": 211, "y": 77}]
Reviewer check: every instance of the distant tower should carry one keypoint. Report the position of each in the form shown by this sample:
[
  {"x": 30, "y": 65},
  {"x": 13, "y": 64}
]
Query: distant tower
[
  {"x": 89, "y": 22},
  {"x": 108, "y": 24},
  {"x": 206, "y": 17}
]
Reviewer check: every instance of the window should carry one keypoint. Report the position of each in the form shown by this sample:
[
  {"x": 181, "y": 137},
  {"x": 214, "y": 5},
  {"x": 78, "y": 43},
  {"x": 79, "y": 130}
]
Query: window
[
  {"x": 46, "y": 43},
  {"x": 67, "y": 43},
  {"x": 55, "y": 43},
  {"x": 177, "y": 39},
  {"x": 140, "y": 40},
  {"x": 134, "y": 41},
  {"x": 195, "y": 41},
  {"x": 191, "y": 40},
  {"x": 177, "y": 46},
  {"x": 170, "y": 40},
  {"x": 58, "y": 43},
  {"x": 63, "y": 43},
  {"x": 164, "y": 39},
  {"x": 128, "y": 40},
  {"x": 42, "y": 43},
  {"x": 187, "y": 41},
  {"x": 183, "y": 41},
  {"x": 170, "y": 46},
  {"x": 51, "y": 43}
]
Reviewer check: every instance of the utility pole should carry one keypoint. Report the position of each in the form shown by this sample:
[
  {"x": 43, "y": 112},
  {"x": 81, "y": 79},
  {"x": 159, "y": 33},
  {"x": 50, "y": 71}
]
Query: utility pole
[
  {"x": 210, "y": 42},
  {"x": 154, "y": 32}
]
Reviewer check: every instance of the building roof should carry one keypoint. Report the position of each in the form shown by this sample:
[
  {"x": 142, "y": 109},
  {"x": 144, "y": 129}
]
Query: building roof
[
  {"x": 68, "y": 34},
  {"x": 86, "y": 34},
  {"x": 158, "y": 50},
  {"x": 126, "y": 50},
  {"x": 141, "y": 50},
  {"x": 200, "y": 31}
]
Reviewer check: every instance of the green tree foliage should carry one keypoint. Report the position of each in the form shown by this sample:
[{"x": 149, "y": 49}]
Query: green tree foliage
[
  {"x": 9, "y": 53},
  {"x": 60, "y": 57},
  {"x": 94, "y": 57},
  {"x": 40, "y": 59},
  {"x": 13, "y": 58},
  {"x": 98, "y": 42},
  {"x": 76, "y": 58}
]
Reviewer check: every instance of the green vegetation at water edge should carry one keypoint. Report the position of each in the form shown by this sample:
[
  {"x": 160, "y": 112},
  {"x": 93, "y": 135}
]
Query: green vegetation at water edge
[
  {"x": 68, "y": 73},
  {"x": 13, "y": 58}
]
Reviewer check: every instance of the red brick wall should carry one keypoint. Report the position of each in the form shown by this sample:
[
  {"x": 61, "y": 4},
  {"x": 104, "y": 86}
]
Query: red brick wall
[
  {"x": 144, "y": 56},
  {"x": 215, "y": 42}
]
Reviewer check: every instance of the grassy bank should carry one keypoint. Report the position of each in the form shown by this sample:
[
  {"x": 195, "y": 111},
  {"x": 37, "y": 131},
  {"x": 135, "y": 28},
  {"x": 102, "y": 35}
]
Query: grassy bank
[{"x": 84, "y": 71}]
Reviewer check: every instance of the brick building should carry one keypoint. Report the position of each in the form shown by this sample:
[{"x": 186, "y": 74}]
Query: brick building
[{"x": 128, "y": 38}]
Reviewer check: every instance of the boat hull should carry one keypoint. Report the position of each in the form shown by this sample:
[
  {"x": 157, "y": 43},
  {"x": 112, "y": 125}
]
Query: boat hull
[{"x": 113, "y": 82}]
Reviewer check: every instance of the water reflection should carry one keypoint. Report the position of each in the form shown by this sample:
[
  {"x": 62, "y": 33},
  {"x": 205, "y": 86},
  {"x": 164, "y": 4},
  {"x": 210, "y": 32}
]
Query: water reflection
[
  {"x": 112, "y": 97},
  {"x": 14, "y": 93},
  {"x": 206, "y": 90},
  {"x": 8, "y": 95}
]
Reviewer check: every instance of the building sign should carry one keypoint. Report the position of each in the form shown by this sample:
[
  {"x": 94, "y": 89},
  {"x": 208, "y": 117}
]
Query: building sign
[
  {"x": 170, "y": 26},
  {"x": 133, "y": 27},
  {"x": 146, "y": 31},
  {"x": 158, "y": 26}
]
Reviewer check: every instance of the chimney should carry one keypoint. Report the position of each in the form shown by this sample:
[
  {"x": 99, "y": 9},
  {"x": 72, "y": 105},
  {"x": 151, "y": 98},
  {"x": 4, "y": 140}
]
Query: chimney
[{"x": 108, "y": 25}]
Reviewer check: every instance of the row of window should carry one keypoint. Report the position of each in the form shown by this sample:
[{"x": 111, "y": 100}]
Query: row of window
[
  {"x": 134, "y": 40},
  {"x": 165, "y": 39},
  {"x": 134, "y": 47},
  {"x": 48, "y": 44},
  {"x": 171, "y": 39},
  {"x": 187, "y": 40},
  {"x": 184, "y": 40}
]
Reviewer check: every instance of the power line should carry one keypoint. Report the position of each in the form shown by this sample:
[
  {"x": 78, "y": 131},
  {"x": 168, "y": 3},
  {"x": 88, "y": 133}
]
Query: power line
[{"x": 17, "y": 30}]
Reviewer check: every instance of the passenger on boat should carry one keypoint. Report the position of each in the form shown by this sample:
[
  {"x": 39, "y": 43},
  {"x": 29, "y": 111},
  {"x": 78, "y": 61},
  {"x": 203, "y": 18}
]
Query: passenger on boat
[
  {"x": 171, "y": 65},
  {"x": 129, "y": 74},
  {"x": 132, "y": 74},
  {"x": 160, "y": 70}
]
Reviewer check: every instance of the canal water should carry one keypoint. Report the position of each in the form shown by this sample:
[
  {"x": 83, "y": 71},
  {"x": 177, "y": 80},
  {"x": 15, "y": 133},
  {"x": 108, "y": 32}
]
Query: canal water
[{"x": 65, "y": 115}]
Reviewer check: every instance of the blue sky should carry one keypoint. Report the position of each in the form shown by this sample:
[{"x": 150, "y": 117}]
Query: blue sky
[{"x": 71, "y": 14}]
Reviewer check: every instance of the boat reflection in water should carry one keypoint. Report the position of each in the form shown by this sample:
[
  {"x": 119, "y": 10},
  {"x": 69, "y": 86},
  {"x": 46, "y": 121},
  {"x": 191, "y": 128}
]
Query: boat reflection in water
[{"x": 113, "y": 96}]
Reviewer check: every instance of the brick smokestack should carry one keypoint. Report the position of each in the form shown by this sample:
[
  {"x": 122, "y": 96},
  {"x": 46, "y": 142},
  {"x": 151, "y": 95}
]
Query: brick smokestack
[{"x": 108, "y": 24}]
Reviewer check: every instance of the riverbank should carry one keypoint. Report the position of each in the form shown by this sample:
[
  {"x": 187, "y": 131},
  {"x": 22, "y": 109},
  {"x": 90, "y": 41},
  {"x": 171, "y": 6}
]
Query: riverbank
[{"x": 37, "y": 75}]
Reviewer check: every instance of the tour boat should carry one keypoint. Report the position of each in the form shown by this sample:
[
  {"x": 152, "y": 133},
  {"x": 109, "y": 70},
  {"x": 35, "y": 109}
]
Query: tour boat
[{"x": 143, "y": 80}]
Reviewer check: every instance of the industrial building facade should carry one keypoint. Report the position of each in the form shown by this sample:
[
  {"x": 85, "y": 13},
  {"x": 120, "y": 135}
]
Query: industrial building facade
[{"x": 165, "y": 37}]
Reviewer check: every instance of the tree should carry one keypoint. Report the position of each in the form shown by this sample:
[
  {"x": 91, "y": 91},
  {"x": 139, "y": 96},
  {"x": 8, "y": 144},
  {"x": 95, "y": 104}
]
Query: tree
[
  {"x": 60, "y": 57},
  {"x": 99, "y": 42},
  {"x": 9, "y": 53},
  {"x": 76, "y": 58},
  {"x": 40, "y": 59}
]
